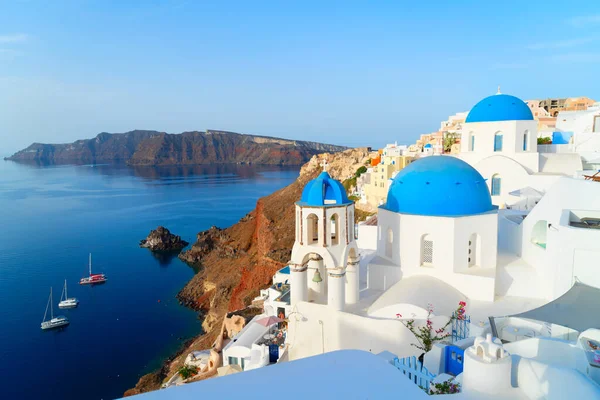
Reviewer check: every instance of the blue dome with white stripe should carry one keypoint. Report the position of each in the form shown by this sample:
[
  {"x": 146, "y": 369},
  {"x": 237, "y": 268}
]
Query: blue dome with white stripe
[
  {"x": 324, "y": 191},
  {"x": 442, "y": 186},
  {"x": 500, "y": 107}
]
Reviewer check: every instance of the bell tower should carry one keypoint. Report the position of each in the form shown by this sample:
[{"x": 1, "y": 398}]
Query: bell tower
[{"x": 325, "y": 264}]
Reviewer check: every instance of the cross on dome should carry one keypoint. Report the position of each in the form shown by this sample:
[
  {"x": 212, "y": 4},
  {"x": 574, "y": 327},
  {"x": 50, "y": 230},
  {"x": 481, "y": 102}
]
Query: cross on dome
[
  {"x": 498, "y": 92},
  {"x": 324, "y": 164}
]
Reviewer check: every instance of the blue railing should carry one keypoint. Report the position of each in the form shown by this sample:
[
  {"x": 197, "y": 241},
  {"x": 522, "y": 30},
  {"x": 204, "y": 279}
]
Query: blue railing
[
  {"x": 460, "y": 327},
  {"x": 415, "y": 371}
]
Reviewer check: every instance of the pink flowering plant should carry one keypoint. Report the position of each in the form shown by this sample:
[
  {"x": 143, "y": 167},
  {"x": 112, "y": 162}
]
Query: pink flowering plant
[
  {"x": 426, "y": 335},
  {"x": 446, "y": 387}
]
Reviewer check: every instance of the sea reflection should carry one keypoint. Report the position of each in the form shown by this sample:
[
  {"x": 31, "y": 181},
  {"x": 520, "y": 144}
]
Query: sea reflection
[
  {"x": 171, "y": 174},
  {"x": 164, "y": 258}
]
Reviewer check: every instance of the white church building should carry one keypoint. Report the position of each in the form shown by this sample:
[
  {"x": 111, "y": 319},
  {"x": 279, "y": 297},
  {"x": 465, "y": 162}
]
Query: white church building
[
  {"x": 499, "y": 138},
  {"x": 444, "y": 235}
]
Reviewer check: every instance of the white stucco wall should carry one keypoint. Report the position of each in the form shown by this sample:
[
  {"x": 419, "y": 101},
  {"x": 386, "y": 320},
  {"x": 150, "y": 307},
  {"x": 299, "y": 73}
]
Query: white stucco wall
[
  {"x": 577, "y": 121},
  {"x": 559, "y": 353},
  {"x": 512, "y": 142},
  {"x": 450, "y": 238},
  {"x": 367, "y": 237},
  {"x": 314, "y": 329},
  {"x": 538, "y": 380},
  {"x": 568, "y": 249}
]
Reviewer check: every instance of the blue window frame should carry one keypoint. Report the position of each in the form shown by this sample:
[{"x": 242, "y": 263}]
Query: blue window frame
[
  {"x": 496, "y": 185},
  {"x": 525, "y": 140},
  {"x": 498, "y": 142},
  {"x": 472, "y": 142}
]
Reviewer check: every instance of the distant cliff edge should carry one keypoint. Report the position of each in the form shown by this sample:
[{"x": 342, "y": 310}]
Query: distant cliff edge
[{"x": 187, "y": 148}]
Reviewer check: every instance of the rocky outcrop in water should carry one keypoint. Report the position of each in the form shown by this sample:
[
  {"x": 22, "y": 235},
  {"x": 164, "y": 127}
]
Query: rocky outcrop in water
[
  {"x": 233, "y": 264},
  {"x": 187, "y": 148},
  {"x": 161, "y": 239}
]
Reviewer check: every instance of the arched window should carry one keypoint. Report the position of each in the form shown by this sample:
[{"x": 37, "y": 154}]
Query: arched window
[
  {"x": 312, "y": 227},
  {"x": 496, "y": 185},
  {"x": 473, "y": 256},
  {"x": 498, "y": 141},
  {"x": 389, "y": 243},
  {"x": 426, "y": 250},
  {"x": 525, "y": 141},
  {"x": 480, "y": 351},
  {"x": 472, "y": 142},
  {"x": 539, "y": 233},
  {"x": 335, "y": 229}
]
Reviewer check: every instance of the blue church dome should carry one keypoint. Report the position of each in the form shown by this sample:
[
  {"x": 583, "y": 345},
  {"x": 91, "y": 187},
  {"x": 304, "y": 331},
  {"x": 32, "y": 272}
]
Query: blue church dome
[
  {"x": 324, "y": 191},
  {"x": 442, "y": 186},
  {"x": 500, "y": 107}
]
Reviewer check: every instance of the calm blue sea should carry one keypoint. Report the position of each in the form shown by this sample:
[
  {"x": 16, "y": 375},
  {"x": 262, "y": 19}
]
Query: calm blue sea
[{"x": 52, "y": 217}]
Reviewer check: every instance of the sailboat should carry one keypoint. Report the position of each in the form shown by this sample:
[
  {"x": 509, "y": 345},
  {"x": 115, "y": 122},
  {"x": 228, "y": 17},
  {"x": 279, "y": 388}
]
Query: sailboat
[
  {"x": 67, "y": 302},
  {"x": 53, "y": 322},
  {"x": 93, "y": 278}
]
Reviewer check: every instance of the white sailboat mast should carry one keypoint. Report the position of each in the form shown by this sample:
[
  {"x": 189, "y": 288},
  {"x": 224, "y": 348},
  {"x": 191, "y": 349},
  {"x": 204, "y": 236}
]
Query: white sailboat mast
[
  {"x": 66, "y": 294},
  {"x": 90, "y": 264},
  {"x": 51, "y": 305},
  {"x": 47, "y": 304}
]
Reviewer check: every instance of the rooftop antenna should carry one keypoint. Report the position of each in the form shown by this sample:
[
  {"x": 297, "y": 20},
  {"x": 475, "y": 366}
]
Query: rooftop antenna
[{"x": 498, "y": 92}]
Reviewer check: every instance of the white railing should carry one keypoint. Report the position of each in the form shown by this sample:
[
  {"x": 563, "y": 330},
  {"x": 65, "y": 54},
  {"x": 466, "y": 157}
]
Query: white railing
[{"x": 556, "y": 148}]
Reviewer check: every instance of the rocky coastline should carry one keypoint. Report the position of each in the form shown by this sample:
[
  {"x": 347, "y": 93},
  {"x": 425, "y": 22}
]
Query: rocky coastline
[
  {"x": 234, "y": 263},
  {"x": 161, "y": 239}
]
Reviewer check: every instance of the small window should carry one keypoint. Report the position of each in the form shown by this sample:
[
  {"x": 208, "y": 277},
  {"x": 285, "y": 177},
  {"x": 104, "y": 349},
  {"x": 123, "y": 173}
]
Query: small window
[
  {"x": 496, "y": 185},
  {"x": 426, "y": 250},
  {"x": 472, "y": 142},
  {"x": 498, "y": 141},
  {"x": 472, "y": 256},
  {"x": 525, "y": 140},
  {"x": 389, "y": 243}
]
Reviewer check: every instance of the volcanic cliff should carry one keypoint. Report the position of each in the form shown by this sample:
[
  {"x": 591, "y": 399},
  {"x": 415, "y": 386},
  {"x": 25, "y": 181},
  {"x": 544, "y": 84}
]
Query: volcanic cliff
[
  {"x": 235, "y": 263},
  {"x": 141, "y": 147}
]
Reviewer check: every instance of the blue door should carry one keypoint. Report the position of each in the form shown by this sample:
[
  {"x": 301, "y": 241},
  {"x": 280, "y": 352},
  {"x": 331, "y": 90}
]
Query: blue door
[
  {"x": 454, "y": 360},
  {"x": 273, "y": 353}
]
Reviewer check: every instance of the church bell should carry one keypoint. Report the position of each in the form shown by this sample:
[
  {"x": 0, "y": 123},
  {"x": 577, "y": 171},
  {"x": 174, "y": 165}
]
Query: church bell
[{"x": 317, "y": 277}]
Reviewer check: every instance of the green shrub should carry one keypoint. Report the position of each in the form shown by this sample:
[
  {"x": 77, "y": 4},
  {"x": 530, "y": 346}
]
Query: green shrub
[
  {"x": 360, "y": 171},
  {"x": 349, "y": 183},
  {"x": 446, "y": 387},
  {"x": 187, "y": 371},
  {"x": 544, "y": 140}
]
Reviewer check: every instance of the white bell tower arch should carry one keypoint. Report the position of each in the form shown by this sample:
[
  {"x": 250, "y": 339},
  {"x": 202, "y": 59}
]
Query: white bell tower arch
[{"x": 325, "y": 262}]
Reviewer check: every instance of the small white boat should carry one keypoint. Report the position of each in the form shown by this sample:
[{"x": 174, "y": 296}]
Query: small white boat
[
  {"x": 65, "y": 301},
  {"x": 53, "y": 322}
]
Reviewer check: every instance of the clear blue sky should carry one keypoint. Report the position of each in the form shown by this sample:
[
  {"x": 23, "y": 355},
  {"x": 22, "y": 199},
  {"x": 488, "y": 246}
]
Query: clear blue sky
[{"x": 346, "y": 72}]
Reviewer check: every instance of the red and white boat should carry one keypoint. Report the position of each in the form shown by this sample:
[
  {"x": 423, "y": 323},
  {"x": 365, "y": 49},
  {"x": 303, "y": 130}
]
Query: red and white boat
[{"x": 93, "y": 278}]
